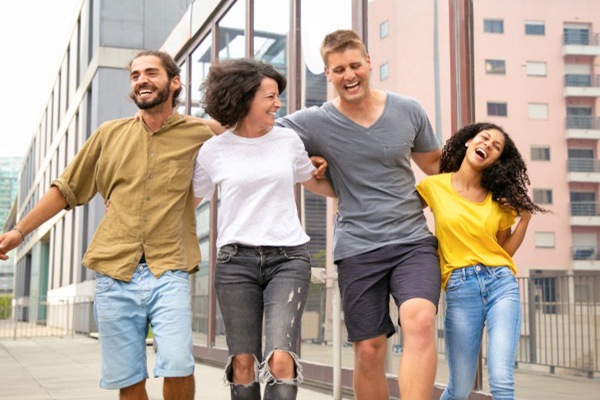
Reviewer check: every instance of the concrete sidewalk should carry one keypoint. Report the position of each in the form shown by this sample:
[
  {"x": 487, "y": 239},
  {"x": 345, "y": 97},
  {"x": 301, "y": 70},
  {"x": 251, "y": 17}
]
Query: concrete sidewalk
[{"x": 69, "y": 368}]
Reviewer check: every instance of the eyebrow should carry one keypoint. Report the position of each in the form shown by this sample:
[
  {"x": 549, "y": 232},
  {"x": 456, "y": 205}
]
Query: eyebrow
[{"x": 151, "y": 69}]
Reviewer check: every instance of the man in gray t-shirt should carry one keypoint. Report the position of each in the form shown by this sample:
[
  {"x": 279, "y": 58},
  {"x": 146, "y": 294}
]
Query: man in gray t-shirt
[{"x": 381, "y": 243}]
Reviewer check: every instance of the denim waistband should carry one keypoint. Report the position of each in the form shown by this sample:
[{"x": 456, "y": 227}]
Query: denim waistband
[
  {"x": 236, "y": 248},
  {"x": 478, "y": 269}
]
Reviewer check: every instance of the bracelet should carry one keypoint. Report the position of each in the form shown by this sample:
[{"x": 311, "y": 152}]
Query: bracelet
[{"x": 20, "y": 231}]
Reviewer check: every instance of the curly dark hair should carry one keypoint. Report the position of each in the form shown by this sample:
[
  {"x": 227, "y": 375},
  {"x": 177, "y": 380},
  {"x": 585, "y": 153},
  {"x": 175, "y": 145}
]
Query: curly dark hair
[
  {"x": 507, "y": 178},
  {"x": 231, "y": 85}
]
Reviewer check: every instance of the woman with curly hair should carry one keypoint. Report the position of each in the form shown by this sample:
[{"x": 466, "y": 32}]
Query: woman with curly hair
[
  {"x": 482, "y": 186},
  {"x": 263, "y": 264}
]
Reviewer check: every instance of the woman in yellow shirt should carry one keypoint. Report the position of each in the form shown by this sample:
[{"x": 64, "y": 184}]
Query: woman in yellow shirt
[{"x": 481, "y": 187}]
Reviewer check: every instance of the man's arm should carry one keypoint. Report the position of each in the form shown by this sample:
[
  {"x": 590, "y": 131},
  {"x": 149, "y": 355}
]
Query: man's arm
[
  {"x": 428, "y": 162},
  {"x": 48, "y": 206}
]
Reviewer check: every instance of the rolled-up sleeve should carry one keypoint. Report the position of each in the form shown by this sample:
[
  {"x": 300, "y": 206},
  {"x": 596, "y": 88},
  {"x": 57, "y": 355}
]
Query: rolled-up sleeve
[{"x": 78, "y": 181}]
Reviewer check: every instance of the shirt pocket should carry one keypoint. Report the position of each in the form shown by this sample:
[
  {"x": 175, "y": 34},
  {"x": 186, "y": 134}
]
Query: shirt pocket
[
  {"x": 180, "y": 174},
  {"x": 394, "y": 154}
]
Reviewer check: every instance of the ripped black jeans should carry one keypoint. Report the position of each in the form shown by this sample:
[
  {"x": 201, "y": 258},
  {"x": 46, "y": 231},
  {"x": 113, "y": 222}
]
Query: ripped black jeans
[{"x": 250, "y": 282}]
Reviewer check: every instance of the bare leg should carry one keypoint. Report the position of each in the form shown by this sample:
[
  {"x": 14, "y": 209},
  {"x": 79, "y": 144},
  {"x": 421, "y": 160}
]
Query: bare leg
[
  {"x": 419, "y": 357},
  {"x": 134, "y": 392},
  {"x": 179, "y": 388},
  {"x": 370, "y": 382}
]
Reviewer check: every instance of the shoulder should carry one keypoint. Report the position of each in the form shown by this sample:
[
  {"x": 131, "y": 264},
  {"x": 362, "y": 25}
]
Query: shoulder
[
  {"x": 437, "y": 180},
  {"x": 406, "y": 102}
]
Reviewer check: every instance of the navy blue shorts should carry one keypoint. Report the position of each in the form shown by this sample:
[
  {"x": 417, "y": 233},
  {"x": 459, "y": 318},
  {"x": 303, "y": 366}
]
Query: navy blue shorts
[{"x": 406, "y": 271}]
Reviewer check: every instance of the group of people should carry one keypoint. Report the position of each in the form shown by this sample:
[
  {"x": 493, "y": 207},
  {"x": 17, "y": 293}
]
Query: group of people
[{"x": 155, "y": 168}]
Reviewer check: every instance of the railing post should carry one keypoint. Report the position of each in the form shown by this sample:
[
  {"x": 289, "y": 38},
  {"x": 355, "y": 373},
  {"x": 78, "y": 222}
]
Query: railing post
[{"x": 532, "y": 322}]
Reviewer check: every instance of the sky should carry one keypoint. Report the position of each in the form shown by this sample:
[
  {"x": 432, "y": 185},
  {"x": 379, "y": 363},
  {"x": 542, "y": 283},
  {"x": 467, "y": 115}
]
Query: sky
[{"x": 33, "y": 38}]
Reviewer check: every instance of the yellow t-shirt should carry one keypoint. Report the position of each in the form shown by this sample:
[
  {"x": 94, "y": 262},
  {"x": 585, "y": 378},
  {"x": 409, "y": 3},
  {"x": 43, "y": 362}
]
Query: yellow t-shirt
[{"x": 466, "y": 230}]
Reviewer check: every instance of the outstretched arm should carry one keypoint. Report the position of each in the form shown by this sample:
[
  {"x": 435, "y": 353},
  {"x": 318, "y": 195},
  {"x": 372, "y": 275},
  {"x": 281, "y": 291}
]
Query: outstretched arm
[
  {"x": 512, "y": 241},
  {"x": 428, "y": 162},
  {"x": 48, "y": 206}
]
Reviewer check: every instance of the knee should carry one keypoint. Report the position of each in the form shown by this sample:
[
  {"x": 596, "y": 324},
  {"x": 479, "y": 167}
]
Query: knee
[
  {"x": 243, "y": 368},
  {"x": 370, "y": 354},
  {"x": 281, "y": 365},
  {"x": 419, "y": 325}
]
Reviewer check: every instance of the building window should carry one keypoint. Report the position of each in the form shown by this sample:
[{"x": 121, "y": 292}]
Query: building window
[
  {"x": 540, "y": 153},
  {"x": 538, "y": 111},
  {"x": 535, "y": 28},
  {"x": 493, "y": 26},
  {"x": 497, "y": 109},
  {"x": 383, "y": 29},
  {"x": 577, "y": 34},
  {"x": 542, "y": 196},
  {"x": 383, "y": 71},
  {"x": 544, "y": 239},
  {"x": 495, "y": 67},
  {"x": 536, "y": 68}
]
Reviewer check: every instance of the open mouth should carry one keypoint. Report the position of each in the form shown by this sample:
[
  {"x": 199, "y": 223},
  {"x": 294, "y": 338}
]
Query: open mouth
[
  {"x": 272, "y": 113},
  {"x": 481, "y": 153},
  {"x": 351, "y": 87}
]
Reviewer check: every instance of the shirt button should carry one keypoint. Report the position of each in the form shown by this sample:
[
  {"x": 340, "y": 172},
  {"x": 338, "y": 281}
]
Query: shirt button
[
  {"x": 151, "y": 154},
  {"x": 148, "y": 198},
  {"x": 151, "y": 176},
  {"x": 134, "y": 259},
  {"x": 145, "y": 219}
]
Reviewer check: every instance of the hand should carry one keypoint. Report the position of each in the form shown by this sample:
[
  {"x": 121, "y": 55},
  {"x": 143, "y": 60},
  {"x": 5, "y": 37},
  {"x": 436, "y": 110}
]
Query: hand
[
  {"x": 106, "y": 205},
  {"x": 321, "y": 165},
  {"x": 525, "y": 215},
  {"x": 9, "y": 241}
]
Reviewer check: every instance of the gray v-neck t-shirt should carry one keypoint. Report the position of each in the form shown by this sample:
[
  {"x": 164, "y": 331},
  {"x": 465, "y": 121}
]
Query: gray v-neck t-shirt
[{"x": 370, "y": 170}]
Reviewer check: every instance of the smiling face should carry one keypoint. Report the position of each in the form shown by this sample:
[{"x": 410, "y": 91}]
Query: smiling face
[
  {"x": 150, "y": 84},
  {"x": 264, "y": 106},
  {"x": 485, "y": 148},
  {"x": 348, "y": 71}
]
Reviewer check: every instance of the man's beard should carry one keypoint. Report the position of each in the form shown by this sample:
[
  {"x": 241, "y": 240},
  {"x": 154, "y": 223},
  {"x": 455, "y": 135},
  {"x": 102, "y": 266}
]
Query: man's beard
[{"x": 162, "y": 95}]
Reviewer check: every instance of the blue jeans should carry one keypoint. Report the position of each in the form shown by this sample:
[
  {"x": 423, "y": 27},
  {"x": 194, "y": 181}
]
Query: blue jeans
[
  {"x": 254, "y": 281},
  {"x": 476, "y": 296},
  {"x": 123, "y": 311}
]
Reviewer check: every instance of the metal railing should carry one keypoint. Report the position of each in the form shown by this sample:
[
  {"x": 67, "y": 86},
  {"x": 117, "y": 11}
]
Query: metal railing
[
  {"x": 585, "y": 253},
  {"x": 582, "y": 122},
  {"x": 582, "y": 80},
  {"x": 583, "y": 165},
  {"x": 46, "y": 316},
  {"x": 580, "y": 37},
  {"x": 584, "y": 209}
]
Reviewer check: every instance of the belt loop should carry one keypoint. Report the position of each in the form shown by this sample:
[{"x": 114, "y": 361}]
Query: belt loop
[
  {"x": 464, "y": 273},
  {"x": 235, "y": 249}
]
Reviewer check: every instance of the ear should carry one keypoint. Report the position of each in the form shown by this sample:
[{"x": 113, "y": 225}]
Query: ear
[
  {"x": 368, "y": 59},
  {"x": 175, "y": 83},
  {"x": 327, "y": 74},
  {"x": 468, "y": 142}
]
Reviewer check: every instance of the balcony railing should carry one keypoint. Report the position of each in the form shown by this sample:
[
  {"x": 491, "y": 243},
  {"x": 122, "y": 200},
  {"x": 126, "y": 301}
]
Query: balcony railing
[
  {"x": 582, "y": 122},
  {"x": 584, "y": 209},
  {"x": 582, "y": 80},
  {"x": 583, "y": 165},
  {"x": 580, "y": 38},
  {"x": 585, "y": 253}
]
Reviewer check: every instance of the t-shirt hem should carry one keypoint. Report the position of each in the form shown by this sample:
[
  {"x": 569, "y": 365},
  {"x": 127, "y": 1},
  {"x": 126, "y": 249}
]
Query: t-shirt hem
[{"x": 375, "y": 246}]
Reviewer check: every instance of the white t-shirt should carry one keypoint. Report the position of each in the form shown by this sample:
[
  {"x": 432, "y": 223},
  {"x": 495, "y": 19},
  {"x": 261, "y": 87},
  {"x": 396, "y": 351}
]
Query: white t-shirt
[{"x": 256, "y": 180}]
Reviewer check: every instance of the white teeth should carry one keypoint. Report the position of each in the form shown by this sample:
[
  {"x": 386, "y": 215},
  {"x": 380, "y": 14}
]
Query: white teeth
[
  {"x": 481, "y": 153},
  {"x": 352, "y": 85},
  {"x": 272, "y": 113},
  {"x": 145, "y": 92}
]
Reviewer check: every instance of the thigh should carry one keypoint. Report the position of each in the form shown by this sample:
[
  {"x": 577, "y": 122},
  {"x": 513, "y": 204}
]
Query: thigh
[
  {"x": 417, "y": 272},
  {"x": 463, "y": 328},
  {"x": 284, "y": 297},
  {"x": 171, "y": 319},
  {"x": 122, "y": 326},
  {"x": 240, "y": 296},
  {"x": 364, "y": 287}
]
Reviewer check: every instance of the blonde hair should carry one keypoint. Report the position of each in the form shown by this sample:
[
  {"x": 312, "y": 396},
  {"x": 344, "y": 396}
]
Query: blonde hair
[{"x": 340, "y": 41}]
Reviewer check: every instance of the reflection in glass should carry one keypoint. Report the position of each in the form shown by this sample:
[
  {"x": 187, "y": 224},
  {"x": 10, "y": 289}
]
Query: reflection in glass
[
  {"x": 231, "y": 32},
  {"x": 200, "y": 59},
  {"x": 182, "y": 107},
  {"x": 271, "y": 29},
  {"x": 201, "y": 286}
]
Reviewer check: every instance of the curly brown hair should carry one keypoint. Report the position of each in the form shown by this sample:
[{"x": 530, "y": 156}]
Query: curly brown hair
[
  {"x": 231, "y": 85},
  {"x": 507, "y": 178}
]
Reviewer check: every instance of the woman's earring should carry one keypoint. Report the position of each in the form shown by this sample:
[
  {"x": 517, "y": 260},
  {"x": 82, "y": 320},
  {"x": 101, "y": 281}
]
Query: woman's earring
[{"x": 466, "y": 144}]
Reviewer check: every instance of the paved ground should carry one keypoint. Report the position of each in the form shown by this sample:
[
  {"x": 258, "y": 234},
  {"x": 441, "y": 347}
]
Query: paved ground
[{"x": 69, "y": 368}]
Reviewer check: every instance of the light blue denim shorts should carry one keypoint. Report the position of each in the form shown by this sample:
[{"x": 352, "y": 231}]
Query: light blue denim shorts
[{"x": 124, "y": 311}]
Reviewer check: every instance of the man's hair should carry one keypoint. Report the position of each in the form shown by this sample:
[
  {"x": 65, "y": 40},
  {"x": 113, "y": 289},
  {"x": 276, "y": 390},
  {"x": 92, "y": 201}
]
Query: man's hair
[
  {"x": 168, "y": 64},
  {"x": 340, "y": 41},
  {"x": 231, "y": 85}
]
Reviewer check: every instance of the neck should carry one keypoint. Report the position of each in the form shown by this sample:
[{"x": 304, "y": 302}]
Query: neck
[
  {"x": 366, "y": 105},
  {"x": 155, "y": 117},
  {"x": 467, "y": 177},
  {"x": 249, "y": 131}
]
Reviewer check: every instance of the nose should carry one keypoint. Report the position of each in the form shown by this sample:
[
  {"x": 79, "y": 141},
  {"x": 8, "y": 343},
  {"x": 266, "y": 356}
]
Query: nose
[
  {"x": 277, "y": 103},
  {"x": 349, "y": 74}
]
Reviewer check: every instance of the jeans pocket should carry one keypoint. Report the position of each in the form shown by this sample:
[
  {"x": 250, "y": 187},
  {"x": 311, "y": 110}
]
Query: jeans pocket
[
  {"x": 223, "y": 256},
  {"x": 454, "y": 283},
  {"x": 502, "y": 272},
  {"x": 179, "y": 275},
  {"x": 297, "y": 253},
  {"x": 103, "y": 282}
]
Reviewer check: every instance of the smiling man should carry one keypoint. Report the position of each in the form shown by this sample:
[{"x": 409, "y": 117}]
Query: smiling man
[
  {"x": 146, "y": 245},
  {"x": 381, "y": 243}
]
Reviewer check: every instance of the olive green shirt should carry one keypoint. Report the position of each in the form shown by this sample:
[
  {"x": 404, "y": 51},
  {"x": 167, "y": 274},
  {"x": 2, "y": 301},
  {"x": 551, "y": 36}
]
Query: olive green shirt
[{"x": 147, "y": 176}]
